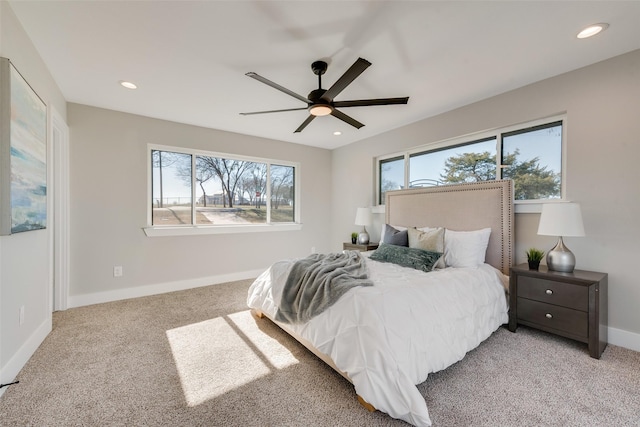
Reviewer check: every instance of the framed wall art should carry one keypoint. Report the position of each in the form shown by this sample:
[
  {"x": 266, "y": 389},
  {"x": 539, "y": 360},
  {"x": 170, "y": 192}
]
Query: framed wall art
[{"x": 23, "y": 154}]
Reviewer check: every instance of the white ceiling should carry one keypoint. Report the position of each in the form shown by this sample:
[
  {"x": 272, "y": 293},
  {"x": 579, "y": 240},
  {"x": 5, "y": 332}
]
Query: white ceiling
[{"x": 189, "y": 58}]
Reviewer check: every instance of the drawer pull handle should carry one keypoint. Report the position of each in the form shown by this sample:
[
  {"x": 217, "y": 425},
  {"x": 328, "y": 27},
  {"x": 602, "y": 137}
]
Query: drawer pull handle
[
  {"x": 549, "y": 292},
  {"x": 548, "y": 316}
]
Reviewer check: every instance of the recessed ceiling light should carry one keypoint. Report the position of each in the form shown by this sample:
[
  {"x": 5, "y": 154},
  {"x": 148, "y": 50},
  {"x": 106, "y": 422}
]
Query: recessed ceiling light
[
  {"x": 337, "y": 133},
  {"x": 592, "y": 30},
  {"x": 128, "y": 85}
]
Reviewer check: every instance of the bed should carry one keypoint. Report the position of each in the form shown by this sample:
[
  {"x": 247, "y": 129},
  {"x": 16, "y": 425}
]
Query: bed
[{"x": 386, "y": 338}]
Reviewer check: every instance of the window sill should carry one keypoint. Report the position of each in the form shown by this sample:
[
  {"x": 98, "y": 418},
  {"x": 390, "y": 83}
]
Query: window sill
[{"x": 219, "y": 229}]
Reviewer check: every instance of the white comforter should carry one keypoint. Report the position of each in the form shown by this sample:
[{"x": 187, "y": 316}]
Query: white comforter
[{"x": 389, "y": 336}]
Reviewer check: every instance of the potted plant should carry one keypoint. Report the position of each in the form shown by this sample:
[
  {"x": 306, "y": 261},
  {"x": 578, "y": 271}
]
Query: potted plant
[
  {"x": 354, "y": 238},
  {"x": 534, "y": 256}
]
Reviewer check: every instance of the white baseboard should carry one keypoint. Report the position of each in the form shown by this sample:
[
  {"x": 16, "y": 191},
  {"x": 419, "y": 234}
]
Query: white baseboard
[
  {"x": 160, "y": 288},
  {"x": 24, "y": 353},
  {"x": 623, "y": 338}
]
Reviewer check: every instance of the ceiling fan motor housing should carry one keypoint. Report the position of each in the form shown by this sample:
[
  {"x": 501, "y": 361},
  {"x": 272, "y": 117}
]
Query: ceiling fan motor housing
[{"x": 315, "y": 96}]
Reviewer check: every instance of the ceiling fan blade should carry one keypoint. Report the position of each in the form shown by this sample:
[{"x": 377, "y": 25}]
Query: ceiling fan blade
[
  {"x": 305, "y": 123},
  {"x": 367, "y": 102},
  {"x": 350, "y": 120},
  {"x": 273, "y": 111},
  {"x": 268, "y": 82},
  {"x": 350, "y": 75}
]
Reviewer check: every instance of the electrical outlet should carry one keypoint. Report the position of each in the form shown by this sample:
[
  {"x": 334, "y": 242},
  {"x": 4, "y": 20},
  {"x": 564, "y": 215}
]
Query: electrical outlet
[
  {"x": 313, "y": 249},
  {"x": 117, "y": 271},
  {"x": 21, "y": 314}
]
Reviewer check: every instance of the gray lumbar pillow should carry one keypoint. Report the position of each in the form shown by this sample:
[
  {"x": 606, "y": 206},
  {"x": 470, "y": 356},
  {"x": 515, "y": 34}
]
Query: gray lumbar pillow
[{"x": 406, "y": 257}]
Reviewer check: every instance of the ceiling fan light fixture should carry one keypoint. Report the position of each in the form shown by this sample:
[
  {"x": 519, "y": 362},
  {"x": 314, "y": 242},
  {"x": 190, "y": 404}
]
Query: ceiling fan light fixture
[{"x": 320, "y": 110}]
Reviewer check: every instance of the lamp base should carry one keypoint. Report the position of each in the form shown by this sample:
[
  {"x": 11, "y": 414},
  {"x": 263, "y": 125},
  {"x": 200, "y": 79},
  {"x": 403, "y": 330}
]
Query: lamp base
[
  {"x": 561, "y": 259},
  {"x": 363, "y": 237}
]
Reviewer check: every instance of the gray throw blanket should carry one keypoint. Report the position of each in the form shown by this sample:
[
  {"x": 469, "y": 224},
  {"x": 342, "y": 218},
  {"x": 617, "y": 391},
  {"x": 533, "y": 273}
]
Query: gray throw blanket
[{"x": 317, "y": 282}]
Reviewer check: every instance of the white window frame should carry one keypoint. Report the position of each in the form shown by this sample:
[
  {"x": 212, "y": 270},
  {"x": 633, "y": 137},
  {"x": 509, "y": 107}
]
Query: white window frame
[
  {"x": 198, "y": 229},
  {"x": 521, "y": 206}
]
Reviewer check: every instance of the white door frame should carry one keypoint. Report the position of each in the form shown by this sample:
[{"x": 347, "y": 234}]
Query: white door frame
[{"x": 59, "y": 239}]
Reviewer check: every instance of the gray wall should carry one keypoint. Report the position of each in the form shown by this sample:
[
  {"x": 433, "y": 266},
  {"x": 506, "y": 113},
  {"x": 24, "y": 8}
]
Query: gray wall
[
  {"x": 24, "y": 257},
  {"x": 108, "y": 174},
  {"x": 602, "y": 103}
]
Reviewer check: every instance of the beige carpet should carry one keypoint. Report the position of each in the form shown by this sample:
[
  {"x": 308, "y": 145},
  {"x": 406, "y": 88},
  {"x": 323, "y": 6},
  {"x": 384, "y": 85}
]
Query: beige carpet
[{"x": 198, "y": 358}]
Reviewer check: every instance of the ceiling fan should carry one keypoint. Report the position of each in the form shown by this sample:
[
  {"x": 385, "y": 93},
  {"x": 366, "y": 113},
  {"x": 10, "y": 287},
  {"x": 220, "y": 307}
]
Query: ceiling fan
[{"x": 320, "y": 102}]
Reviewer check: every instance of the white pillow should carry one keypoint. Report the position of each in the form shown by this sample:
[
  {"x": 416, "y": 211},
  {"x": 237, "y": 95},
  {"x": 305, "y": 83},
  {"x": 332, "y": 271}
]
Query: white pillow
[{"x": 465, "y": 248}]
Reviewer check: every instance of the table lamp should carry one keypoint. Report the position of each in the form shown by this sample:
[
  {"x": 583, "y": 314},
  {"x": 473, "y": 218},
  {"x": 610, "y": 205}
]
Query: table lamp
[
  {"x": 561, "y": 219},
  {"x": 363, "y": 218}
]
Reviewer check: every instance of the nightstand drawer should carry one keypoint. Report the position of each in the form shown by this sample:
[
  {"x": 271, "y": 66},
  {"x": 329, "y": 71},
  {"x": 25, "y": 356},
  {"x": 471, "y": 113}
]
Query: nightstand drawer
[
  {"x": 557, "y": 293},
  {"x": 555, "y": 317}
]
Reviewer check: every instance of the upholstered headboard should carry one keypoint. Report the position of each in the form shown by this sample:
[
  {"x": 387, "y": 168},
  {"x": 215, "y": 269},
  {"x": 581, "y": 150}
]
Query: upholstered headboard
[{"x": 460, "y": 207}]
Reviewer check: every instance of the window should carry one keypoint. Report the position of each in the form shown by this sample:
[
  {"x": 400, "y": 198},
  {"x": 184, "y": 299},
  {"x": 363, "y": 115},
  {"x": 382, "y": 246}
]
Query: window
[
  {"x": 391, "y": 174},
  {"x": 192, "y": 188},
  {"x": 282, "y": 193},
  {"x": 171, "y": 183},
  {"x": 530, "y": 155}
]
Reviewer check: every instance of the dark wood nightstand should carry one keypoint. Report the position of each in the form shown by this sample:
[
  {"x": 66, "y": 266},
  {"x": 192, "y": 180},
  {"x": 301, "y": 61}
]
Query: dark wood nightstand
[
  {"x": 346, "y": 246},
  {"x": 573, "y": 305}
]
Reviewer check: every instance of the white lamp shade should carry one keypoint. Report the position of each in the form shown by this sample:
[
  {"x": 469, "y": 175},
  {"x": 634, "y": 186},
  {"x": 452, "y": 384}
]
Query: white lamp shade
[
  {"x": 363, "y": 216},
  {"x": 561, "y": 219}
]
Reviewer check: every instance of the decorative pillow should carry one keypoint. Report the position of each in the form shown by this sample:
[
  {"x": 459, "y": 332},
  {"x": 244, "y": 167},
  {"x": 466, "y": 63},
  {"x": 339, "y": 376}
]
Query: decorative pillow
[
  {"x": 430, "y": 240},
  {"x": 465, "y": 248},
  {"x": 394, "y": 236},
  {"x": 406, "y": 257},
  {"x": 384, "y": 229}
]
